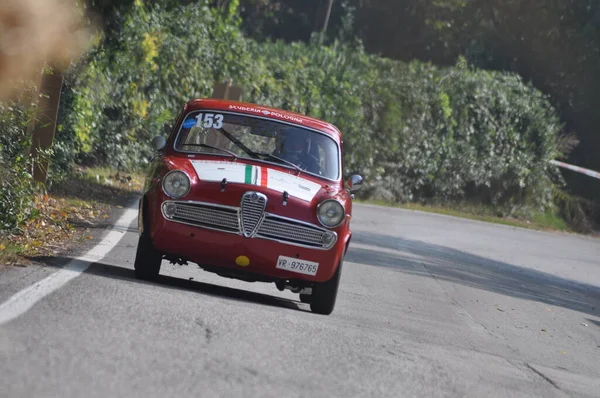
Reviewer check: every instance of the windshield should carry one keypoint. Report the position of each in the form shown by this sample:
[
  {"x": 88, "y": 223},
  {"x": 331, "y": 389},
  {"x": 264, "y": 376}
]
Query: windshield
[{"x": 246, "y": 136}]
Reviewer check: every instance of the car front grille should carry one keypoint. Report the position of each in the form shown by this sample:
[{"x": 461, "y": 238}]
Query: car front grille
[
  {"x": 251, "y": 212},
  {"x": 205, "y": 215},
  {"x": 249, "y": 220},
  {"x": 291, "y": 231}
]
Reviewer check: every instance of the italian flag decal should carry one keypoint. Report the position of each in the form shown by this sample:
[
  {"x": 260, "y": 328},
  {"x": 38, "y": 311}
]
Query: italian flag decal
[
  {"x": 240, "y": 173},
  {"x": 255, "y": 175}
]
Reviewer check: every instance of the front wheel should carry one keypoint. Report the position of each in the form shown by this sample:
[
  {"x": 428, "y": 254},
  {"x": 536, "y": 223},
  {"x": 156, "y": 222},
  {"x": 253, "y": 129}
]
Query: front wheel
[
  {"x": 324, "y": 294},
  {"x": 147, "y": 258}
]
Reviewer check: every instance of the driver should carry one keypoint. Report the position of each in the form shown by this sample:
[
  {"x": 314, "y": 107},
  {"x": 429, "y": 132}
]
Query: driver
[{"x": 294, "y": 147}]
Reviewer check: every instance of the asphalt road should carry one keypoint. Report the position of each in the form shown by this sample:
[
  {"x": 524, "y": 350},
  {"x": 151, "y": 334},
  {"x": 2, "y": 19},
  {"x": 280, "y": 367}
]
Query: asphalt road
[{"x": 429, "y": 306}]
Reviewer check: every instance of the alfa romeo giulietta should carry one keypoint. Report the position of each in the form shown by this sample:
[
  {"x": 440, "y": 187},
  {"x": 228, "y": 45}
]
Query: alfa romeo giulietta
[{"x": 252, "y": 193}]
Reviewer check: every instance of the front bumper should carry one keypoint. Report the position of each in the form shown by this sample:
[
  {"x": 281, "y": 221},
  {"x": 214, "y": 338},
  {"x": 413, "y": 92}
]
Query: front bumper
[{"x": 213, "y": 248}]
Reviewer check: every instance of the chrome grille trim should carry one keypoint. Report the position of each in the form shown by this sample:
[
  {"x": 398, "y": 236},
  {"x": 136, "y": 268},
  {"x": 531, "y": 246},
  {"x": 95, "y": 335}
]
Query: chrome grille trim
[
  {"x": 286, "y": 230},
  {"x": 206, "y": 215},
  {"x": 270, "y": 226},
  {"x": 252, "y": 212}
]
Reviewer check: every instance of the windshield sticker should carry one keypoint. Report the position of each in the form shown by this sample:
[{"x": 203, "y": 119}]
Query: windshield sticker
[
  {"x": 239, "y": 173},
  {"x": 209, "y": 120},
  {"x": 266, "y": 113},
  {"x": 189, "y": 123}
]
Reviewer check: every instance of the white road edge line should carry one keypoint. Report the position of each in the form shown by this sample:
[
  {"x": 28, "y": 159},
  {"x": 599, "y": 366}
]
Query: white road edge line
[{"x": 22, "y": 301}]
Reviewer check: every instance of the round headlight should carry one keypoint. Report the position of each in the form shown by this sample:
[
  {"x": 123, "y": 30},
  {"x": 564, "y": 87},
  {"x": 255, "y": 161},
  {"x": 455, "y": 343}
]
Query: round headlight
[
  {"x": 330, "y": 213},
  {"x": 176, "y": 184}
]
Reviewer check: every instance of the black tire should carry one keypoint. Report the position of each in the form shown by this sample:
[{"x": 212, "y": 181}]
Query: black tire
[
  {"x": 324, "y": 294},
  {"x": 305, "y": 298},
  {"x": 147, "y": 258}
]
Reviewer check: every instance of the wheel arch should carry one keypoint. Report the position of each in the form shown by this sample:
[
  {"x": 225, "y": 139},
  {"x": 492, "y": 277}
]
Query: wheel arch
[
  {"x": 142, "y": 212},
  {"x": 347, "y": 244}
]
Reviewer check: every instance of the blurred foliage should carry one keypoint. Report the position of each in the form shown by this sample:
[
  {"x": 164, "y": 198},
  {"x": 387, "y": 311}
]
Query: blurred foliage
[
  {"x": 131, "y": 87},
  {"x": 555, "y": 45},
  {"x": 415, "y": 131},
  {"x": 34, "y": 34},
  {"x": 16, "y": 183},
  {"x": 418, "y": 132}
]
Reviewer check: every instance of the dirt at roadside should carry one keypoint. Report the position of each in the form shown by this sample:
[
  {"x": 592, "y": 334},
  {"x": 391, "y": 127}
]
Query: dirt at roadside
[{"x": 69, "y": 218}]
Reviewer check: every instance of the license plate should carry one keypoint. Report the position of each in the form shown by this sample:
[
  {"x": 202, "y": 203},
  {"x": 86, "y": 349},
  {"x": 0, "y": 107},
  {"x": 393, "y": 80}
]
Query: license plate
[{"x": 296, "y": 265}]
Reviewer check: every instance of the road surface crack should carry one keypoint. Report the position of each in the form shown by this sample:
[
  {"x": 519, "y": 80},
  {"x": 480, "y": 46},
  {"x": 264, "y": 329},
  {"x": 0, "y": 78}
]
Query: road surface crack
[{"x": 543, "y": 376}]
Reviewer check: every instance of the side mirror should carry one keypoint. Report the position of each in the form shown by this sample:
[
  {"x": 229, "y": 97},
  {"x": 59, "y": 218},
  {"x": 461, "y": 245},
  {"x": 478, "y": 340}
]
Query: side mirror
[
  {"x": 355, "y": 183},
  {"x": 159, "y": 143}
]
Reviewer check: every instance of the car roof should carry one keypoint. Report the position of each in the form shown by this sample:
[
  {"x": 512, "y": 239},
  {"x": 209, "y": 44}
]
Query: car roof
[{"x": 265, "y": 111}]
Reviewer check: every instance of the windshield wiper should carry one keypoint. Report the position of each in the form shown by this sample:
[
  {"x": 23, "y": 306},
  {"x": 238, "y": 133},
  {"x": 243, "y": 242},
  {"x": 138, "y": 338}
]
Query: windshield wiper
[
  {"x": 233, "y": 155},
  {"x": 270, "y": 156},
  {"x": 237, "y": 142}
]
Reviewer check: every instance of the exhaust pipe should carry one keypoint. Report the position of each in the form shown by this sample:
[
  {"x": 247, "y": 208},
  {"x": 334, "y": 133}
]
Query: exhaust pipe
[{"x": 282, "y": 285}]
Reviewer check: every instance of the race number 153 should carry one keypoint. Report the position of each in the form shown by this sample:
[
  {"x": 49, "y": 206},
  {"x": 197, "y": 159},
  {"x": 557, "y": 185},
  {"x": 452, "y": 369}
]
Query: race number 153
[{"x": 208, "y": 120}]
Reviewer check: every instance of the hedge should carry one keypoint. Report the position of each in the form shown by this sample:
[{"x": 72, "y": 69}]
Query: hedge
[{"x": 415, "y": 131}]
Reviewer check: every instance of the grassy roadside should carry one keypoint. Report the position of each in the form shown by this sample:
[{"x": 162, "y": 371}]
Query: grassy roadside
[
  {"x": 64, "y": 216},
  {"x": 539, "y": 221}
]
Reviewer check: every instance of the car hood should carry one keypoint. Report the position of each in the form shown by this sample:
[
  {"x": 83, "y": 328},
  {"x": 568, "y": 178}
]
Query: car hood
[{"x": 260, "y": 176}]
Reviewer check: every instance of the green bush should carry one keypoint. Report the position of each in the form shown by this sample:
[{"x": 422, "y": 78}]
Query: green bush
[
  {"x": 415, "y": 131},
  {"x": 16, "y": 185},
  {"x": 418, "y": 132},
  {"x": 122, "y": 95},
  {"x": 464, "y": 134}
]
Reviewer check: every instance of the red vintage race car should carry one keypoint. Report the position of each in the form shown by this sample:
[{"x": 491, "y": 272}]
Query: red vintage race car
[{"x": 252, "y": 193}]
